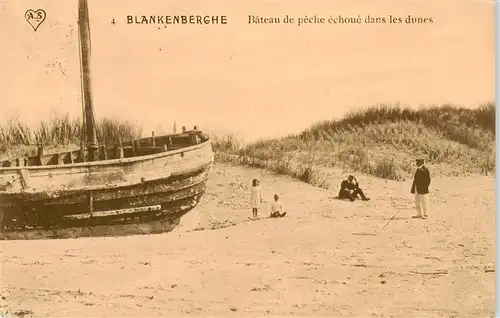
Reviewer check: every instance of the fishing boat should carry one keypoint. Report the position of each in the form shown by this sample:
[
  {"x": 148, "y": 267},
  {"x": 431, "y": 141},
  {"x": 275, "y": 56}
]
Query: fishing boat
[{"x": 139, "y": 186}]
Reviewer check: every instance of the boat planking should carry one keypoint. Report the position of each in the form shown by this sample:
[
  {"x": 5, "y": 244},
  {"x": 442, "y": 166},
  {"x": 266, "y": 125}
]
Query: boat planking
[
  {"x": 138, "y": 187},
  {"x": 157, "y": 180}
]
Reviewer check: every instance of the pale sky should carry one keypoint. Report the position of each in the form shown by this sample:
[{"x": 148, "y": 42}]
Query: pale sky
[{"x": 257, "y": 80}]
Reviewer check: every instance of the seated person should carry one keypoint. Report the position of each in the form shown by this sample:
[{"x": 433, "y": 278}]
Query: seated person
[
  {"x": 349, "y": 189},
  {"x": 277, "y": 208}
]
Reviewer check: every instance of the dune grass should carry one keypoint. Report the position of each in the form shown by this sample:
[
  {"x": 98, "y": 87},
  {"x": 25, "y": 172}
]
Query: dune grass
[
  {"x": 18, "y": 139},
  {"x": 382, "y": 141}
]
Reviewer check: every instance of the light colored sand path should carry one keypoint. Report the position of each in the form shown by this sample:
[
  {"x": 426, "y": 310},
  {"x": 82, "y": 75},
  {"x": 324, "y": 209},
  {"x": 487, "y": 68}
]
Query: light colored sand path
[{"x": 321, "y": 259}]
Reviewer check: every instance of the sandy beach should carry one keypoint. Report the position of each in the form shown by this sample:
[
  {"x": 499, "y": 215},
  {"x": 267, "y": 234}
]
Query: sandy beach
[
  {"x": 250, "y": 73},
  {"x": 325, "y": 258}
]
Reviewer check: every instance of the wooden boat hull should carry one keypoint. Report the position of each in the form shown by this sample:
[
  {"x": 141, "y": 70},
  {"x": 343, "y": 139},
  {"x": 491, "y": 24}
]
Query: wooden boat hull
[
  {"x": 139, "y": 195},
  {"x": 141, "y": 186}
]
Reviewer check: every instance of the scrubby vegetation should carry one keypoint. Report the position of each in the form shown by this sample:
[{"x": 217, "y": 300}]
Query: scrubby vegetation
[
  {"x": 17, "y": 139},
  {"x": 381, "y": 141}
]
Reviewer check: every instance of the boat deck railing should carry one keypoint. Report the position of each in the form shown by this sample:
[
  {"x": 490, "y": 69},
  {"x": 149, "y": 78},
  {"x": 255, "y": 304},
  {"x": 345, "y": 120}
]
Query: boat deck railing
[{"x": 141, "y": 147}]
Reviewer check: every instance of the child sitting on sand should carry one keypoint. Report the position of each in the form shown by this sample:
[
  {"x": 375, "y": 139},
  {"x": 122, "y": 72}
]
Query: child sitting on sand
[
  {"x": 256, "y": 197},
  {"x": 277, "y": 208}
]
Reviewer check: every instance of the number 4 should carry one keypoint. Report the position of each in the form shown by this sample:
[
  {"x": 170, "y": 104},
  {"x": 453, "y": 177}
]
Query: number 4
[{"x": 113, "y": 21}]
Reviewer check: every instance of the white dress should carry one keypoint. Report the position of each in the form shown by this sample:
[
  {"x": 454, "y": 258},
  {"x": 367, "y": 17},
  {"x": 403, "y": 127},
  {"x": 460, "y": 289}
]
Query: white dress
[
  {"x": 277, "y": 206},
  {"x": 255, "y": 197}
]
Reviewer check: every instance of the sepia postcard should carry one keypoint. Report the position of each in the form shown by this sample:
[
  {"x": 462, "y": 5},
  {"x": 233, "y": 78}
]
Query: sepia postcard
[{"x": 247, "y": 158}]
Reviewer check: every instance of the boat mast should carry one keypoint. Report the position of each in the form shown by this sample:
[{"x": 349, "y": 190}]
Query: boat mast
[{"x": 85, "y": 50}]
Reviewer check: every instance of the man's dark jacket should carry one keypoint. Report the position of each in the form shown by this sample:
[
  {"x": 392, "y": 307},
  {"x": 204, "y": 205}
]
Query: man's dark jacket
[
  {"x": 421, "y": 181},
  {"x": 346, "y": 185}
]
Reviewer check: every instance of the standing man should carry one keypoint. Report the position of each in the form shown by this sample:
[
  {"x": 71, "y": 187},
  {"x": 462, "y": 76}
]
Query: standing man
[{"x": 420, "y": 188}]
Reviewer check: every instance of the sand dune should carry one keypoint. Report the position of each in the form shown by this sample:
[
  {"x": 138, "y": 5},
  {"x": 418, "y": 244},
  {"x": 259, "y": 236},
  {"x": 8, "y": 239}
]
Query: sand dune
[{"x": 327, "y": 257}]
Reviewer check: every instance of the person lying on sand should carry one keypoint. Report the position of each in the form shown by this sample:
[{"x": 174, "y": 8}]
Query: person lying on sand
[
  {"x": 277, "y": 208},
  {"x": 256, "y": 197},
  {"x": 349, "y": 189}
]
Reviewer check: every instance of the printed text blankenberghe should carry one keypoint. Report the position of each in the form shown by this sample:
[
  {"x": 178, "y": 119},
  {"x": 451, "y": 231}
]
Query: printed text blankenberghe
[{"x": 176, "y": 19}]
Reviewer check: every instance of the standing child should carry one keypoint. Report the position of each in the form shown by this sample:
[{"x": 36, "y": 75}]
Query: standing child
[{"x": 256, "y": 197}]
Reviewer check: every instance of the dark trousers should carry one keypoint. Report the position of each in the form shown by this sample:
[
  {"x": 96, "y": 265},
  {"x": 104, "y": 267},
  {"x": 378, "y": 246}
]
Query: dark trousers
[
  {"x": 346, "y": 194},
  {"x": 277, "y": 214}
]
